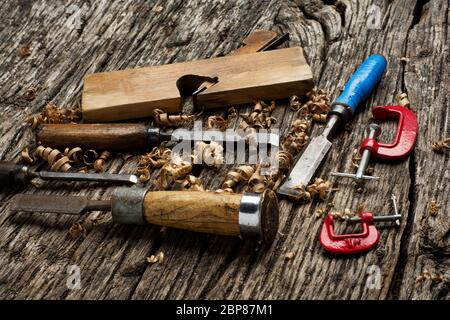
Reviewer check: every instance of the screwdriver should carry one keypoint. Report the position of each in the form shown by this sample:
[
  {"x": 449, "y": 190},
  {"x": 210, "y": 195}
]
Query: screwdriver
[
  {"x": 231, "y": 214},
  {"x": 11, "y": 174}
]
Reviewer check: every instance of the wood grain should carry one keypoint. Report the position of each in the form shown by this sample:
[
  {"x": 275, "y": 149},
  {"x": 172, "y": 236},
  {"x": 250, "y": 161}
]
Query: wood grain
[
  {"x": 36, "y": 250},
  {"x": 209, "y": 212},
  {"x": 242, "y": 78}
]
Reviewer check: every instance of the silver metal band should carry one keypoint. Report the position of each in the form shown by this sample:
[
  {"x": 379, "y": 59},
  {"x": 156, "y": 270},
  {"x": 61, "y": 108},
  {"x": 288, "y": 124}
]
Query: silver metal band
[
  {"x": 250, "y": 215},
  {"x": 127, "y": 205}
]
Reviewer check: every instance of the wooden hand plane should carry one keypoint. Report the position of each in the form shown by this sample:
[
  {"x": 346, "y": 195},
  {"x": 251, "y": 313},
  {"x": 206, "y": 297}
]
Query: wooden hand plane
[{"x": 248, "y": 74}]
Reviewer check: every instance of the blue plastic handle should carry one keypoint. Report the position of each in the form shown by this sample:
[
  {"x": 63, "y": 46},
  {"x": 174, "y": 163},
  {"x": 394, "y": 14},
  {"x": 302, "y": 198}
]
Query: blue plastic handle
[{"x": 362, "y": 82}]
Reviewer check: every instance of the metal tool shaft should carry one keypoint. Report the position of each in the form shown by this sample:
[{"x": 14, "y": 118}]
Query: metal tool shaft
[
  {"x": 374, "y": 131},
  {"x": 94, "y": 177}
]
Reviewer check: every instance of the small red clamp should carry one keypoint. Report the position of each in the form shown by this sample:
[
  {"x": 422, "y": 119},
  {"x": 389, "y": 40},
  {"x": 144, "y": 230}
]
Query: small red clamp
[
  {"x": 350, "y": 243},
  {"x": 405, "y": 138},
  {"x": 355, "y": 242}
]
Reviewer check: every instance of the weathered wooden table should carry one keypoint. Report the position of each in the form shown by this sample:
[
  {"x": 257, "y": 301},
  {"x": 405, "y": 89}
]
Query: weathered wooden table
[{"x": 68, "y": 41}]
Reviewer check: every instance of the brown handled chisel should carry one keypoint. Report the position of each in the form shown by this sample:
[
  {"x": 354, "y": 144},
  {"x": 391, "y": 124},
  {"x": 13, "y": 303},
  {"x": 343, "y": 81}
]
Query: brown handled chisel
[
  {"x": 248, "y": 214},
  {"x": 127, "y": 136},
  {"x": 11, "y": 174}
]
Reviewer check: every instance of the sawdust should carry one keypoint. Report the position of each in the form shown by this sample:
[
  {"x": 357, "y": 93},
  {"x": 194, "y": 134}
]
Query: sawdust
[
  {"x": 24, "y": 51},
  {"x": 289, "y": 255},
  {"x": 426, "y": 275}
]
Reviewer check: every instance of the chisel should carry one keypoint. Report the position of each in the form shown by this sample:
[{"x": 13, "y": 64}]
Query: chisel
[
  {"x": 356, "y": 90},
  {"x": 127, "y": 136},
  {"x": 12, "y": 174},
  {"x": 246, "y": 215}
]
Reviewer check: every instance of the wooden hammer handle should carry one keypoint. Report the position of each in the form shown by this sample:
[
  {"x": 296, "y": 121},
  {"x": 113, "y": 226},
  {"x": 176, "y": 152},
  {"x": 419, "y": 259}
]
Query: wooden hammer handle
[{"x": 111, "y": 137}]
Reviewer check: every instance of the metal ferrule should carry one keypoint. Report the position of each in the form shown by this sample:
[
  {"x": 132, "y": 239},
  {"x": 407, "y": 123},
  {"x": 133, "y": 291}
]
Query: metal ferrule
[
  {"x": 250, "y": 214},
  {"x": 127, "y": 205},
  {"x": 153, "y": 136},
  {"x": 258, "y": 216}
]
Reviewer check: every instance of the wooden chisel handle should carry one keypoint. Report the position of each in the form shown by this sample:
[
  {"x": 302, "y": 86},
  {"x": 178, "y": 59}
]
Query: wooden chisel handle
[
  {"x": 111, "y": 137},
  {"x": 217, "y": 213}
]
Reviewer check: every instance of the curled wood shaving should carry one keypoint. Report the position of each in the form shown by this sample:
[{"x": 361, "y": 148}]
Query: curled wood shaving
[
  {"x": 318, "y": 102},
  {"x": 260, "y": 117},
  {"x": 426, "y": 275},
  {"x": 441, "y": 146},
  {"x": 257, "y": 182},
  {"x": 157, "y": 158},
  {"x": 164, "y": 119},
  {"x": 402, "y": 99},
  {"x": 54, "y": 157},
  {"x": 191, "y": 183},
  {"x": 217, "y": 122},
  {"x": 53, "y": 114},
  {"x": 27, "y": 157},
  {"x": 172, "y": 171},
  {"x": 74, "y": 154},
  {"x": 343, "y": 215},
  {"x": 232, "y": 113},
  {"x": 210, "y": 154},
  {"x": 294, "y": 103},
  {"x": 289, "y": 255},
  {"x": 99, "y": 164},
  {"x": 236, "y": 176},
  {"x": 76, "y": 230},
  {"x": 24, "y": 51},
  {"x": 89, "y": 157},
  {"x": 433, "y": 208},
  {"x": 30, "y": 94},
  {"x": 159, "y": 257},
  {"x": 318, "y": 188}
]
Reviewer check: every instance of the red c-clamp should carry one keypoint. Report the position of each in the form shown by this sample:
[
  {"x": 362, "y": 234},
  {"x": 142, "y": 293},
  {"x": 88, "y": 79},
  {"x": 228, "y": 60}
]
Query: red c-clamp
[
  {"x": 405, "y": 138},
  {"x": 402, "y": 146},
  {"x": 357, "y": 242}
]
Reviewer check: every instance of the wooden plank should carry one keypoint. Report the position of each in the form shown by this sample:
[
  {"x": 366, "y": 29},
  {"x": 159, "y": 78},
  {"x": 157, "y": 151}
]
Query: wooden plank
[{"x": 136, "y": 93}]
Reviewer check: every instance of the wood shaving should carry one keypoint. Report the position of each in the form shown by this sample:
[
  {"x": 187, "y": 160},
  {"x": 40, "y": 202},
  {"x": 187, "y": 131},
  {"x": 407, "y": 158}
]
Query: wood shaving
[
  {"x": 89, "y": 157},
  {"x": 74, "y": 154},
  {"x": 433, "y": 208},
  {"x": 343, "y": 215},
  {"x": 260, "y": 117},
  {"x": 176, "y": 169},
  {"x": 158, "y": 8},
  {"x": 37, "y": 183},
  {"x": 402, "y": 100},
  {"x": 157, "y": 158},
  {"x": 318, "y": 104},
  {"x": 257, "y": 182},
  {"x": 53, "y": 114},
  {"x": 30, "y": 94},
  {"x": 210, "y": 154},
  {"x": 289, "y": 255},
  {"x": 320, "y": 212},
  {"x": 319, "y": 188},
  {"x": 236, "y": 176},
  {"x": 159, "y": 257},
  {"x": 190, "y": 183},
  {"x": 426, "y": 275},
  {"x": 27, "y": 157},
  {"x": 231, "y": 113},
  {"x": 54, "y": 157},
  {"x": 441, "y": 146},
  {"x": 99, "y": 164},
  {"x": 164, "y": 119},
  {"x": 76, "y": 230},
  {"x": 24, "y": 51},
  {"x": 217, "y": 122},
  {"x": 294, "y": 103}
]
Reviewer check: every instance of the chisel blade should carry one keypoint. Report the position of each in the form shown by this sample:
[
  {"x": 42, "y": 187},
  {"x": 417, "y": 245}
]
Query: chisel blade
[
  {"x": 305, "y": 167},
  {"x": 94, "y": 177},
  {"x": 57, "y": 204}
]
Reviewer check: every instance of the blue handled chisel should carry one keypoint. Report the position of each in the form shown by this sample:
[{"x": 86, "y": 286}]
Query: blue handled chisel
[{"x": 357, "y": 90}]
